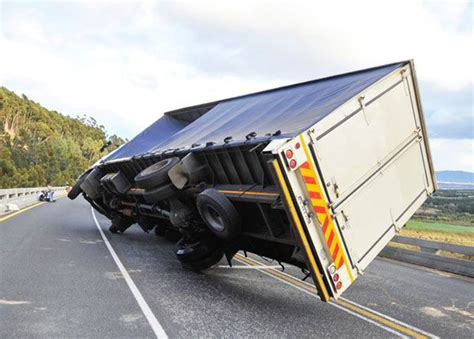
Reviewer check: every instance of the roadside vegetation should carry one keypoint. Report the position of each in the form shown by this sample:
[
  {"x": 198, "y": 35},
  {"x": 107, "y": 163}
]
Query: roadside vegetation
[
  {"x": 39, "y": 147},
  {"x": 448, "y": 216}
]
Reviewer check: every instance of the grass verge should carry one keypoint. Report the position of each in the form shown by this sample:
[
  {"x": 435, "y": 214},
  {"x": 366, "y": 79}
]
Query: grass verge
[{"x": 429, "y": 225}]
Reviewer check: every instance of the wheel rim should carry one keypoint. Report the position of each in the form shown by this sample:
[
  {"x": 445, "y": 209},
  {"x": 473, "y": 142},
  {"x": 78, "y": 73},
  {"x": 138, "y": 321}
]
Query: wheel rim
[{"x": 214, "y": 219}]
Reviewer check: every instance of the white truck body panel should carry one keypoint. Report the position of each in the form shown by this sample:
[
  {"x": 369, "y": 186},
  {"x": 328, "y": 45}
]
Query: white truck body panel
[{"x": 366, "y": 168}]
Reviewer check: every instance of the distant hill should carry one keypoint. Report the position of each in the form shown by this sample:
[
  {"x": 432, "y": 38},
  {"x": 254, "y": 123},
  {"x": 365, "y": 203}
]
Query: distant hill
[
  {"x": 39, "y": 147},
  {"x": 455, "y": 179},
  {"x": 456, "y": 176}
]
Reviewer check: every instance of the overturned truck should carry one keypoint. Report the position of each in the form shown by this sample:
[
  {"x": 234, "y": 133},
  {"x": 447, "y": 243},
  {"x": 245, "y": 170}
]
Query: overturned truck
[{"x": 320, "y": 174}]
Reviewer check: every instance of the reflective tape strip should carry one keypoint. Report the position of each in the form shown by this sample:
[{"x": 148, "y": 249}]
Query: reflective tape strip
[
  {"x": 300, "y": 230},
  {"x": 320, "y": 207},
  {"x": 269, "y": 194}
]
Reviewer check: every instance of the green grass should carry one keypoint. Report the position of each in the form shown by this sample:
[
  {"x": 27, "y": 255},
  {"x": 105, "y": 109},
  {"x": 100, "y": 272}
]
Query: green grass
[{"x": 428, "y": 225}]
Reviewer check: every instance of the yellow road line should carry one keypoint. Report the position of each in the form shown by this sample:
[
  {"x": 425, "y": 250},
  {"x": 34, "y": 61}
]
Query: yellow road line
[
  {"x": 299, "y": 227},
  {"x": 344, "y": 304},
  {"x": 20, "y": 211},
  {"x": 381, "y": 319}
]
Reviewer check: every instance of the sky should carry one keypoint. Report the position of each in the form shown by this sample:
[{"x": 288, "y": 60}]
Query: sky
[{"x": 126, "y": 63}]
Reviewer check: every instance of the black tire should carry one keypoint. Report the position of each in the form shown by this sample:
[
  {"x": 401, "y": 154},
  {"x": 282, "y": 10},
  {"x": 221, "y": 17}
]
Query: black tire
[
  {"x": 204, "y": 263},
  {"x": 113, "y": 229},
  {"x": 194, "y": 250},
  {"x": 160, "y": 193},
  {"x": 219, "y": 214},
  {"x": 156, "y": 174},
  {"x": 76, "y": 188},
  {"x": 91, "y": 184}
]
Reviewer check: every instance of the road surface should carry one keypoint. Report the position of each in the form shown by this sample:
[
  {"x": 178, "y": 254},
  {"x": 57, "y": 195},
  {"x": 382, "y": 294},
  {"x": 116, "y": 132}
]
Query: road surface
[{"x": 58, "y": 278}]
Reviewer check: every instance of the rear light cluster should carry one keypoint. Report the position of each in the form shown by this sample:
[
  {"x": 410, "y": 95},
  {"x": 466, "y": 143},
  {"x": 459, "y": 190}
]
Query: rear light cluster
[
  {"x": 335, "y": 277},
  {"x": 289, "y": 156}
]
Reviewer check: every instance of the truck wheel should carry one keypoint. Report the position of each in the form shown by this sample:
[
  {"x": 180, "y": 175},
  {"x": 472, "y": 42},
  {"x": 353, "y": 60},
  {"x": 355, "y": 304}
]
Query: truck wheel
[
  {"x": 219, "y": 214},
  {"x": 76, "y": 188},
  {"x": 113, "y": 229},
  {"x": 194, "y": 250},
  {"x": 204, "y": 263},
  {"x": 156, "y": 174},
  {"x": 91, "y": 184},
  {"x": 160, "y": 193}
]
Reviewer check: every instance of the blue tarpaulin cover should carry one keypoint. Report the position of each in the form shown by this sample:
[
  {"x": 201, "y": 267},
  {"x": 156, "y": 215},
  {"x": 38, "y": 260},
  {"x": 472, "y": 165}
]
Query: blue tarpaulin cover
[
  {"x": 158, "y": 132},
  {"x": 290, "y": 110}
]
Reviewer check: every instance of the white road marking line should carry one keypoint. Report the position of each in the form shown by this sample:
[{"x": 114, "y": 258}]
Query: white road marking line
[
  {"x": 413, "y": 328},
  {"x": 154, "y": 324},
  {"x": 388, "y": 329},
  {"x": 245, "y": 267}
]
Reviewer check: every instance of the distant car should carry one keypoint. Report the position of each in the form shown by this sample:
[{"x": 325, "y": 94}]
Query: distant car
[{"x": 320, "y": 174}]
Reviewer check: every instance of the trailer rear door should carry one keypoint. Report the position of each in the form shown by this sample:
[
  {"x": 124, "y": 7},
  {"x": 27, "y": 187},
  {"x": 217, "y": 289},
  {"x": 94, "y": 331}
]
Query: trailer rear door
[
  {"x": 373, "y": 162},
  {"x": 360, "y": 174}
]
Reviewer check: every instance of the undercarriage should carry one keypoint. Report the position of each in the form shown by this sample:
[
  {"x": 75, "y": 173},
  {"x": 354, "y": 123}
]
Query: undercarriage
[{"x": 216, "y": 202}]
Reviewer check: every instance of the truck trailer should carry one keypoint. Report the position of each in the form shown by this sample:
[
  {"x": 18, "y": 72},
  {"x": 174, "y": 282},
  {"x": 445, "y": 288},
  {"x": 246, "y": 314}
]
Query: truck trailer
[{"x": 320, "y": 174}]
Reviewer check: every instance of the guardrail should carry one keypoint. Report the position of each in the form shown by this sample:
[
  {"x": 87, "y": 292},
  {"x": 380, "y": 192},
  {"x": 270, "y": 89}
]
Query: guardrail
[
  {"x": 16, "y": 198},
  {"x": 429, "y": 255}
]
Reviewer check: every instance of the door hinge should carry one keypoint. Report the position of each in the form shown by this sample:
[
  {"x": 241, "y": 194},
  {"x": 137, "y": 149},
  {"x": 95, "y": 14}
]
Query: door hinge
[
  {"x": 335, "y": 187},
  {"x": 311, "y": 134},
  {"x": 344, "y": 216},
  {"x": 362, "y": 106},
  {"x": 404, "y": 76}
]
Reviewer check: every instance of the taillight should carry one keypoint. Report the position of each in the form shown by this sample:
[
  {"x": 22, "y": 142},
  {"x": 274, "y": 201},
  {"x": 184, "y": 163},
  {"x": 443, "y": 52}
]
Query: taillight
[
  {"x": 289, "y": 154},
  {"x": 292, "y": 163},
  {"x": 297, "y": 146},
  {"x": 338, "y": 285},
  {"x": 335, "y": 277}
]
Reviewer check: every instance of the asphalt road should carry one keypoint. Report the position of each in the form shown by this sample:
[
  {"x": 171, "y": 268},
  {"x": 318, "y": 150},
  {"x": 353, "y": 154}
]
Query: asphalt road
[{"x": 59, "y": 279}]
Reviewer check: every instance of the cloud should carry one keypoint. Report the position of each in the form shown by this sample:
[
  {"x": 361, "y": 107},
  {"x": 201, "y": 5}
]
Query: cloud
[
  {"x": 451, "y": 154},
  {"x": 125, "y": 86},
  {"x": 449, "y": 114},
  {"x": 125, "y": 63},
  {"x": 307, "y": 39}
]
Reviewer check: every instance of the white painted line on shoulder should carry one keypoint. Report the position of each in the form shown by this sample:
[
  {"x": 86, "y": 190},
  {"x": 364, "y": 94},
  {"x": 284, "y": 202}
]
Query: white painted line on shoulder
[
  {"x": 150, "y": 317},
  {"x": 235, "y": 267},
  {"x": 337, "y": 306},
  {"x": 430, "y": 335},
  {"x": 392, "y": 329},
  {"x": 391, "y": 319}
]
